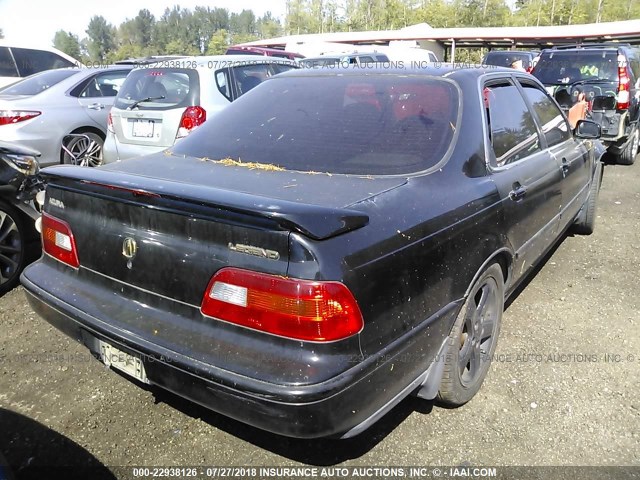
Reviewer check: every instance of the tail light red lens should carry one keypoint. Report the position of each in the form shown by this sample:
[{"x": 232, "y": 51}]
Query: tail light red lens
[
  {"x": 110, "y": 123},
  {"x": 624, "y": 81},
  {"x": 58, "y": 241},
  {"x": 191, "y": 118},
  {"x": 299, "y": 309},
  {"x": 9, "y": 117}
]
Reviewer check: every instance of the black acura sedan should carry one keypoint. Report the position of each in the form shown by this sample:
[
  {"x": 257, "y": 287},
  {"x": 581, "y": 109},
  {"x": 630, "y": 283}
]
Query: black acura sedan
[{"x": 330, "y": 243}]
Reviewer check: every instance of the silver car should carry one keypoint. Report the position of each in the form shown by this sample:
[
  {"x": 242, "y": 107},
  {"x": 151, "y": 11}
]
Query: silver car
[
  {"x": 41, "y": 111},
  {"x": 159, "y": 104}
]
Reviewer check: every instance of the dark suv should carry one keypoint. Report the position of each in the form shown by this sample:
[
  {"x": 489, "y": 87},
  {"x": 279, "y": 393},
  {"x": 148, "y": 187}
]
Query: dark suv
[{"x": 609, "y": 77}]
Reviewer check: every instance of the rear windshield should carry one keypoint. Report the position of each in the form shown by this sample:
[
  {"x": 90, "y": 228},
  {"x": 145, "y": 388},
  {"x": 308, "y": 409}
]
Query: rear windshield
[
  {"x": 380, "y": 124},
  {"x": 159, "y": 89},
  {"x": 38, "y": 83},
  {"x": 505, "y": 59},
  {"x": 562, "y": 68}
]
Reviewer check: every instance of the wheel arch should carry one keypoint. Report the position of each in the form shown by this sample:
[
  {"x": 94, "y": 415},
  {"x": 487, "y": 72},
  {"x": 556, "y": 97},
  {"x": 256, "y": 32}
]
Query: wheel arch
[{"x": 504, "y": 258}]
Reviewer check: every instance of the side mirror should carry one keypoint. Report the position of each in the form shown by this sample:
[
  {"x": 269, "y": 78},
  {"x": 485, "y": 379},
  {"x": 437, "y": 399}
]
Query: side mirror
[{"x": 587, "y": 129}]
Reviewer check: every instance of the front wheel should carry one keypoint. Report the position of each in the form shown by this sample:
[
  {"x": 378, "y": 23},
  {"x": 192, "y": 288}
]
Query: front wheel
[
  {"x": 473, "y": 338},
  {"x": 13, "y": 246},
  {"x": 83, "y": 149}
]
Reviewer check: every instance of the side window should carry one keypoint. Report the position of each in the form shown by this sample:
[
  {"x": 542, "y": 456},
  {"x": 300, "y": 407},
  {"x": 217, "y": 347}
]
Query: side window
[
  {"x": 511, "y": 125},
  {"x": 250, "y": 76},
  {"x": 366, "y": 59},
  {"x": 31, "y": 61},
  {"x": 554, "y": 125},
  {"x": 7, "y": 65},
  {"x": 223, "y": 83},
  {"x": 104, "y": 85}
]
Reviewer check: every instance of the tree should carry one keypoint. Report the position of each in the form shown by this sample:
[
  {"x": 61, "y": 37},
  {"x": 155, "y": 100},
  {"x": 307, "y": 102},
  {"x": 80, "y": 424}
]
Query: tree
[
  {"x": 68, "y": 43},
  {"x": 219, "y": 43},
  {"x": 144, "y": 23},
  {"x": 268, "y": 27},
  {"x": 102, "y": 37},
  {"x": 1, "y": 34}
]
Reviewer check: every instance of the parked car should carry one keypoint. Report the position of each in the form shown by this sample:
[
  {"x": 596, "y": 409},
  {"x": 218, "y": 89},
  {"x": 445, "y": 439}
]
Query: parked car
[
  {"x": 506, "y": 58},
  {"x": 163, "y": 103},
  {"x": 608, "y": 75},
  {"x": 19, "y": 184},
  {"x": 39, "y": 111},
  {"x": 342, "y": 60},
  {"x": 324, "y": 246},
  {"x": 17, "y": 62},
  {"x": 269, "y": 52}
]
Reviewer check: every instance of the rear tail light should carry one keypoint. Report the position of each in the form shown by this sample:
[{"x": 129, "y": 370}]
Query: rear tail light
[
  {"x": 8, "y": 117},
  {"x": 191, "y": 118},
  {"x": 110, "y": 124},
  {"x": 299, "y": 309},
  {"x": 58, "y": 241},
  {"x": 624, "y": 82}
]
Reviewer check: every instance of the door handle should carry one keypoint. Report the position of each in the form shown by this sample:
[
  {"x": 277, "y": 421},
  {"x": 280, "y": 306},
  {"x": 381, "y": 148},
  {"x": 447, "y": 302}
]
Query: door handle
[
  {"x": 96, "y": 106},
  {"x": 518, "y": 192},
  {"x": 565, "y": 167}
]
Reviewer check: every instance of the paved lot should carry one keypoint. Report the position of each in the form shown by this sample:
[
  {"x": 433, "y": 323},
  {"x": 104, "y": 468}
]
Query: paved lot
[{"x": 564, "y": 388}]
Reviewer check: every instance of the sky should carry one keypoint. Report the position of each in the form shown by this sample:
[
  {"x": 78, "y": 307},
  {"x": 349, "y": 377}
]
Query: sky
[{"x": 35, "y": 22}]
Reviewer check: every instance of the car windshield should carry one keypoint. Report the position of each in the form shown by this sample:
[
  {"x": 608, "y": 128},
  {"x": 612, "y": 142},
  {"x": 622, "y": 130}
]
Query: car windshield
[
  {"x": 158, "y": 89},
  {"x": 38, "y": 83},
  {"x": 380, "y": 124},
  {"x": 567, "y": 67}
]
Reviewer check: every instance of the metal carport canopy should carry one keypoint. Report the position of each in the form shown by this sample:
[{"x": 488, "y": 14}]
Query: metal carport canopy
[{"x": 627, "y": 31}]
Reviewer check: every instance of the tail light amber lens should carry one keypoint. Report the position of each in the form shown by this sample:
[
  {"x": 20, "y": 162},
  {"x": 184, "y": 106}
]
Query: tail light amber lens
[
  {"x": 299, "y": 309},
  {"x": 58, "y": 241}
]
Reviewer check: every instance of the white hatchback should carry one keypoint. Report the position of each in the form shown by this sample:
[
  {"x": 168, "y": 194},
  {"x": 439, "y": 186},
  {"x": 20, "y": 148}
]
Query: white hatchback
[{"x": 160, "y": 103}]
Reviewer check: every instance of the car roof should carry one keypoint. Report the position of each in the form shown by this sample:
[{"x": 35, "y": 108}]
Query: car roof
[
  {"x": 223, "y": 60},
  {"x": 383, "y": 68}
]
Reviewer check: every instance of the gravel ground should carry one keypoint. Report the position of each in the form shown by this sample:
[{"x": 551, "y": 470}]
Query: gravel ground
[{"x": 564, "y": 388}]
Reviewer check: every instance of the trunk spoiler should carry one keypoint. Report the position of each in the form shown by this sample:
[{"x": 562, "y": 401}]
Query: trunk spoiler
[{"x": 314, "y": 221}]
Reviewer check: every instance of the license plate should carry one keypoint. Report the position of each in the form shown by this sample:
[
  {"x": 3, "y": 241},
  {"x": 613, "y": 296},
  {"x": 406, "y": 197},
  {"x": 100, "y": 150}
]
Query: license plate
[
  {"x": 143, "y": 128},
  {"x": 129, "y": 364}
]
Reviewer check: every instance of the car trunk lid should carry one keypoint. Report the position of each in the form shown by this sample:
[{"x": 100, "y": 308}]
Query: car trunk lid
[{"x": 169, "y": 237}]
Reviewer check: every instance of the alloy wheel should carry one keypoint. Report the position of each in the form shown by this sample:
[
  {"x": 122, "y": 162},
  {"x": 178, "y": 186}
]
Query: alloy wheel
[
  {"x": 478, "y": 331},
  {"x": 11, "y": 247}
]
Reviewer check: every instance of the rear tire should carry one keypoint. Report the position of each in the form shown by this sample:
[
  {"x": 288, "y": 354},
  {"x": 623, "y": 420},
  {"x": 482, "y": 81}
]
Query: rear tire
[
  {"x": 630, "y": 152},
  {"x": 91, "y": 146},
  {"x": 14, "y": 237},
  {"x": 586, "y": 221},
  {"x": 473, "y": 339}
]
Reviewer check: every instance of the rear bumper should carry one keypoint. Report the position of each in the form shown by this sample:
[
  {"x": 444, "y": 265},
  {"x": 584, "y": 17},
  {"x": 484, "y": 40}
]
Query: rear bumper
[
  {"x": 343, "y": 405},
  {"x": 114, "y": 150}
]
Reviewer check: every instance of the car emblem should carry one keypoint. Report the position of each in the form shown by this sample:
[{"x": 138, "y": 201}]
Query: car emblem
[
  {"x": 256, "y": 251},
  {"x": 129, "y": 250}
]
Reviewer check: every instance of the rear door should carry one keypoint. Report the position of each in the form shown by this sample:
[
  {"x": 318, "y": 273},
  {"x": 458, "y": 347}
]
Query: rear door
[
  {"x": 525, "y": 173},
  {"x": 572, "y": 154},
  {"x": 98, "y": 95}
]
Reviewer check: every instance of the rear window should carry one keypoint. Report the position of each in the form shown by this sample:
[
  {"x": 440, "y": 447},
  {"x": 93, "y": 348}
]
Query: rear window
[
  {"x": 159, "y": 89},
  {"x": 348, "y": 124},
  {"x": 38, "y": 83},
  {"x": 563, "y": 68},
  {"x": 505, "y": 59}
]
